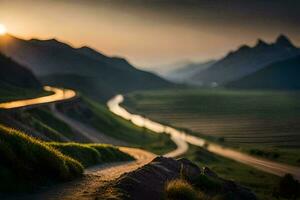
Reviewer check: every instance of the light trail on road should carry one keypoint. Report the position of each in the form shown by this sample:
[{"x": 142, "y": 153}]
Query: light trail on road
[{"x": 58, "y": 95}]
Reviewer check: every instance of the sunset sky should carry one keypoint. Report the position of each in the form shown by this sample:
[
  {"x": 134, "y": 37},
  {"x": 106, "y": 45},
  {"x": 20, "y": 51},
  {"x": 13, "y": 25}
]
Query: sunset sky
[{"x": 154, "y": 32}]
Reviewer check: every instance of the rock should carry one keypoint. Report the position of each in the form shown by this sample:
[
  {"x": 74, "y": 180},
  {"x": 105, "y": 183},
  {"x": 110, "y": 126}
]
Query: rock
[{"x": 148, "y": 182}]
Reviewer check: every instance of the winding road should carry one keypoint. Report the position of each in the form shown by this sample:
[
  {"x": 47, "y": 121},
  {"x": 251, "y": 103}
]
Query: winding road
[
  {"x": 96, "y": 176},
  {"x": 182, "y": 139},
  {"x": 58, "y": 95},
  {"x": 86, "y": 188}
]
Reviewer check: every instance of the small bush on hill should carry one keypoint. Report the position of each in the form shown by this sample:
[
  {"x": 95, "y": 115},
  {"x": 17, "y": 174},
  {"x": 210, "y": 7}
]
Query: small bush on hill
[{"x": 180, "y": 189}]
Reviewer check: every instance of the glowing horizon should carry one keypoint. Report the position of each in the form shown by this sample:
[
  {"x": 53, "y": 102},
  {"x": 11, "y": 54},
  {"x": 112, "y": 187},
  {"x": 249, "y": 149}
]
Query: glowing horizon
[{"x": 152, "y": 34}]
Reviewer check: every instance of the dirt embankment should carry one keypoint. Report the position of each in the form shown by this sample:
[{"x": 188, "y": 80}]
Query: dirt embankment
[{"x": 148, "y": 182}]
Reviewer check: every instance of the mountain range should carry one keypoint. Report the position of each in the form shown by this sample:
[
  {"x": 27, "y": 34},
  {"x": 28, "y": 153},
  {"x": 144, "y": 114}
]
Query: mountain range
[
  {"x": 99, "y": 76},
  {"x": 84, "y": 69},
  {"x": 240, "y": 63}
]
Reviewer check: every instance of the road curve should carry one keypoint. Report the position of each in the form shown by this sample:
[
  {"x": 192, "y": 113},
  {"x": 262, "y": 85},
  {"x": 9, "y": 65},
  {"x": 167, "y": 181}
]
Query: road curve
[
  {"x": 96, "y": 176},
  {"x": 87, "y": 187},
  {"x": 182, "y": 139},
  {"x": 58, "y": 95},
  {"x": 182, "y": 146}
]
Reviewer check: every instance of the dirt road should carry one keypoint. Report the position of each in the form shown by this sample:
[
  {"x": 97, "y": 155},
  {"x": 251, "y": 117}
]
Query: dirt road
[{"x": 85, "y": 188}]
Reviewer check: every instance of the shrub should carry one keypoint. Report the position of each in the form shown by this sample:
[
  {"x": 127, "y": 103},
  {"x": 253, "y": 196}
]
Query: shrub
[{"x": 180, "y": 189}]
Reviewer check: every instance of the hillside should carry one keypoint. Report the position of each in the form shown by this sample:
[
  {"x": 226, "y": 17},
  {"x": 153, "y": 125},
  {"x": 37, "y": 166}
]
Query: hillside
[
  {"x": 16, "y": 81},
  {"x": 82, "y": 69},
  {"x": 16, "y": 75},
  {"x": 247, "y": 60},
  {"x": 28, "y": 163},
  {"x": 280, "y": 75}
]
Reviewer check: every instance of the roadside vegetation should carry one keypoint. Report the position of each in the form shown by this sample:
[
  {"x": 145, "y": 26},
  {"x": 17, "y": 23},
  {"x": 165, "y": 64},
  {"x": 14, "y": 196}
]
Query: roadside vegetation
[
  {"x": 99, "y": 117},
  {"x": 180, "y": 189},
  {"x": 261, "y": 183},
  {"x": 261, "y": 123},
  {"x": 91, "y": 154},
  {"x": 27, "y": 163}
]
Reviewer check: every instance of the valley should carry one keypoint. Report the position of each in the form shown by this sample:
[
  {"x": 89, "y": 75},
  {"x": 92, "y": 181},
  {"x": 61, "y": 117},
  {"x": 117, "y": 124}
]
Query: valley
[{"x": 261, "y": 123}]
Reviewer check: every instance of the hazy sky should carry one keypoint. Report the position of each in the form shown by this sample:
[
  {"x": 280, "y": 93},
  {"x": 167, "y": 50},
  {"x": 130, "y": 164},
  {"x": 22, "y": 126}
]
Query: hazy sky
[{"x": 154, "y": 32}]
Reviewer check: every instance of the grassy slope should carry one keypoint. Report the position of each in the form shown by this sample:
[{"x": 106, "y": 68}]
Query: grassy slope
[
  {"x": 27, "y": 162},
  {"x": 42, "y": 120},
  {"x": 16, "y": 81},
  {"x": 102, "y": 119},
  {"x": 91, "y": 154},
  {"x": 261, "y": 183},
  {"x": 45, "y": 118},
  {"x": 264, "y": 120}
]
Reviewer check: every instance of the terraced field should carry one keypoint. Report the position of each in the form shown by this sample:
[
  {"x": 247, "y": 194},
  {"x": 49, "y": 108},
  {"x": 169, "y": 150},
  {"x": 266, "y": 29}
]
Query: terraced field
[{"x": 254, "y": 120}]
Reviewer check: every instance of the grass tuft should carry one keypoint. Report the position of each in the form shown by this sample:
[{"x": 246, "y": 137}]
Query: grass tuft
[{"x": 180, "y": 189}]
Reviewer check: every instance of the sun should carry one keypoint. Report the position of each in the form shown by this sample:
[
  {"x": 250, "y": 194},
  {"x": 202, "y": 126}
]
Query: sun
[{"x": 2, "y": 29}]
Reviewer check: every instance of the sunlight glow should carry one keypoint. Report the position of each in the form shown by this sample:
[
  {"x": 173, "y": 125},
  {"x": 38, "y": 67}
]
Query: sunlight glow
[{"x": 2, "y": 29}]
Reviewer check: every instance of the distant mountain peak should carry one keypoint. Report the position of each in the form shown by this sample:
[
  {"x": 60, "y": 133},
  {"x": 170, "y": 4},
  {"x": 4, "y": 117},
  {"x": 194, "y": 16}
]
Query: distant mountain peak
[
  {"x": 86, "y": 48},
  {"x": 244, "y": 48},
  {"x": 283, "y": 40},
  {"x": 261, "y": 43},
  {"x": 53, "y": 42}
]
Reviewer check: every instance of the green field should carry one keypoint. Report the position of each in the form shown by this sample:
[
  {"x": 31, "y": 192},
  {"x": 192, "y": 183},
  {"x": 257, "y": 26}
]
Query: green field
[{"x": 263, "y": 123}]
